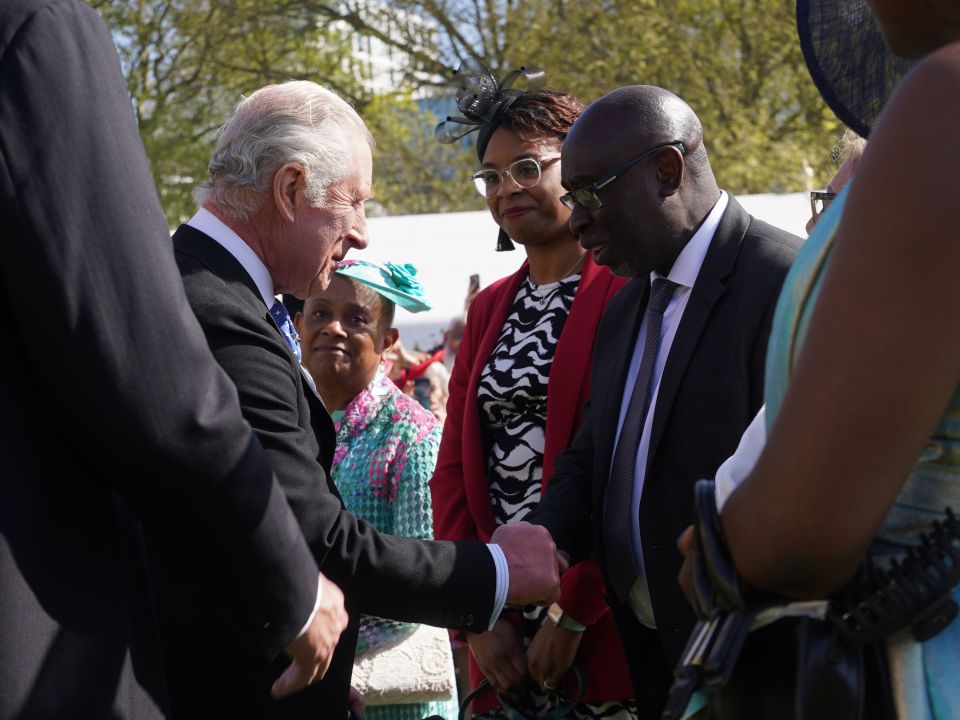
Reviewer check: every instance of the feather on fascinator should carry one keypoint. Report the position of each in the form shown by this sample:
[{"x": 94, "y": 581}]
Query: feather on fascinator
[{"x": 483, "y": 100}]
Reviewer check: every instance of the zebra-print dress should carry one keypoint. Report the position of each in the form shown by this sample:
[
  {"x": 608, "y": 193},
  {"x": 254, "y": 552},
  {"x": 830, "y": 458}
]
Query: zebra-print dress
[{"x": 512, "y": 396}]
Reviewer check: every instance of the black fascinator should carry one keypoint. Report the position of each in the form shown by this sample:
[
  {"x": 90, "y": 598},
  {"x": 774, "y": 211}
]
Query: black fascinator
[
  {"x": 483, "y": 100},
  {"x": 848, "y": 59}
]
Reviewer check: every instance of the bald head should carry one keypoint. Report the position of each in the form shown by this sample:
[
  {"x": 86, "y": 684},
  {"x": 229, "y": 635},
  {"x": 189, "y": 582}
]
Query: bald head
[
  {"x": 646, "y": 116},
  {"x": 649, "y": 193}
]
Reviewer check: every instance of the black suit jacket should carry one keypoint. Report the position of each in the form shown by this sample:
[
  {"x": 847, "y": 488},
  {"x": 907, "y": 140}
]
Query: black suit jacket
[
  {"x": 447, "y": 584},
  {"x": 712, "y": 386},
  {"x": 111, "y": 406}
]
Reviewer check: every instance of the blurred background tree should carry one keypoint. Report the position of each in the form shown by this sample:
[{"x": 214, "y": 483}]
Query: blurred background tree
[{"x": 736, "y": 62}]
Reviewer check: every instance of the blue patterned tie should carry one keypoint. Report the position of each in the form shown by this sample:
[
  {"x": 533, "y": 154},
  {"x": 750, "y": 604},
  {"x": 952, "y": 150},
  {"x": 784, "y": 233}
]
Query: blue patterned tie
[
  {"x": 618, "y": 529},
  {"x": 282, "y": 318}
]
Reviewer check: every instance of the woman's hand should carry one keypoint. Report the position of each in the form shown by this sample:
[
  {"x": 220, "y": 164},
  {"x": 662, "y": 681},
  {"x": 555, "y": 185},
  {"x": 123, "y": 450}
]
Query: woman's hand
[
  {"x": 499, "y": 653},
  {"x": 685, "y": 576},
  {"x": 551, "y": 654}
]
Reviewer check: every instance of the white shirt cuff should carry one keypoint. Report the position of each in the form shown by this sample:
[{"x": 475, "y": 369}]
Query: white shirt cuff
[
  {"x": 503, "y": 582},
  {"x": 316, "y": 607}
]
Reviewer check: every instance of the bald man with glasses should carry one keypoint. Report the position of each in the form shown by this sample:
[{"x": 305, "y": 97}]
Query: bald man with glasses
[{"x": 678, "y": 362}]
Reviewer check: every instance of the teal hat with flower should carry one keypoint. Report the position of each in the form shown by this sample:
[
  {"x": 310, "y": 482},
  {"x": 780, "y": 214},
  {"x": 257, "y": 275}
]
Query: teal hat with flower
[{"x": 395, "y": 282}]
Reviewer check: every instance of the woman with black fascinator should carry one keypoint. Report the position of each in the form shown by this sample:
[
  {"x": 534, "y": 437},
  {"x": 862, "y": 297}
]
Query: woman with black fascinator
[
  {"x": 860, "y": 474},
  {"x": 517, "y": 392}
]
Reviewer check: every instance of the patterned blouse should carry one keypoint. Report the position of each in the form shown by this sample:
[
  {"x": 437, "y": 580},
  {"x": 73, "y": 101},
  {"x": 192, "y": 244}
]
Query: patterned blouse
[
  {"x": 386, "y": 450},
  {"x": 512, "y": 395}
]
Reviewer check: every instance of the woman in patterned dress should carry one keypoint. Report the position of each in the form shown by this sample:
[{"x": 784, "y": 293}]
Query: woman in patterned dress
[
  {"x": 517, "y": 392},
  {"x": 386, "y": 441}
]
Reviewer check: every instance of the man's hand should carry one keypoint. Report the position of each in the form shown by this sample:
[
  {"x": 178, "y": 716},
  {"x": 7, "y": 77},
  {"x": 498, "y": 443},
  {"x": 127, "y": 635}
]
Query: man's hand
[
  {"x": 551, "y": 654},
  {"x": 312, "y": 651},
  {"x": 499, "y": 653},
  {"x": 533, "y": 562},
  {"x": 685, "y": 576}
]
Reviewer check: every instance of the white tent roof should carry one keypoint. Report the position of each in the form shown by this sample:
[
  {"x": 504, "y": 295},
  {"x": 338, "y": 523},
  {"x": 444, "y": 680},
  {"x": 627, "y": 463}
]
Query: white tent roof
[{"x": 447, "y": 248}]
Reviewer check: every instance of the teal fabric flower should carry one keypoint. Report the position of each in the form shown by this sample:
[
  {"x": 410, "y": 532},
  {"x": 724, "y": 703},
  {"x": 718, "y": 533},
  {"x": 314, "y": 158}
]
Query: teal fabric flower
[{"x": 394, "y": 281}]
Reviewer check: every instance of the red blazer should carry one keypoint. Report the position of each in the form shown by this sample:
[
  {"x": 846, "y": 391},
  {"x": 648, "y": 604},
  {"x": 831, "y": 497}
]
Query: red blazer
[{"x": 461, "y": 498}]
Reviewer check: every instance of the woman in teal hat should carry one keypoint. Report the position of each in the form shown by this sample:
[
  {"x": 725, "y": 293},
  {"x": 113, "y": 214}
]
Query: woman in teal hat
[{"x": 386, "y": 442}]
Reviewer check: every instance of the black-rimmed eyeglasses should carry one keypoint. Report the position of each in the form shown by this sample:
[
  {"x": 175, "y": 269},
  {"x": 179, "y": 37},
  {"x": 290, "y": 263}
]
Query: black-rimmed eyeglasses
[
  {"x": 588, "y": 198},
  {"x": 819, "y": 200},
  {"x": 525, "y": 172}
]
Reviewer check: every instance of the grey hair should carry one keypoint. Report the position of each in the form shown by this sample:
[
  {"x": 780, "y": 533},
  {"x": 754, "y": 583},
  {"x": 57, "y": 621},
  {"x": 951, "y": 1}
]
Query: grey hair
[
  {"x": 297, "y": 121},
  {"x": 849, "y": 146}
]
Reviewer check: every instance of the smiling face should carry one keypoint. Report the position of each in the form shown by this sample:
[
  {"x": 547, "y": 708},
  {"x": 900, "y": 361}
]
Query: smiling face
[
  {"x": 320, "y": 236},
  {"x": 342, "y": 338},
  {"x": 531, "y": 216}
]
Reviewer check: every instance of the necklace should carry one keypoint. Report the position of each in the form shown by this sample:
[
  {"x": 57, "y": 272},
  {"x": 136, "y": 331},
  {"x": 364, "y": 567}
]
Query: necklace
[{"x": 541, "y": 300}]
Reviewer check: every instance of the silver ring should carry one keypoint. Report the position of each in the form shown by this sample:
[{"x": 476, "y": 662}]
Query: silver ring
[{"x": 548, "y": 686}]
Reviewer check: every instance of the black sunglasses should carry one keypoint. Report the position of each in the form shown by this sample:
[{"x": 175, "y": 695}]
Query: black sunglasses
[{"x": 588, "y": 198}]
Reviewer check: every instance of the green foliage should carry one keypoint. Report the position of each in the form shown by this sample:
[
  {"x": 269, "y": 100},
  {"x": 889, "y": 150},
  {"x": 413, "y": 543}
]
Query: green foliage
[
  {"x": 736, "y": 62},
  {"x": 188, "y": 62},
  {"x": 413, "y": 173}
]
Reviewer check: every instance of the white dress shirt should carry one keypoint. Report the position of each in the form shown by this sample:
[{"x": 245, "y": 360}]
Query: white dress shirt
[
  {"x": 209, "y": 224},
  {"x": 684, "y": 273}
]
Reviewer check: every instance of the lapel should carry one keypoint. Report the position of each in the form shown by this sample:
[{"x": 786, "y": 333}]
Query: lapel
[
  {"x": 709, "y": 286},
  {"x": 222, "y": 264},
  {"x": 610, "y": 377}
]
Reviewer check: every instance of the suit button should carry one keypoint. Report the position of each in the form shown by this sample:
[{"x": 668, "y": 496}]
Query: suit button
[
  {"x": 266, "y": 626},
  {"x": 656, "y": 547},
  {"x": 470, "y": 619},
  {"x": 674, "y": 630}
]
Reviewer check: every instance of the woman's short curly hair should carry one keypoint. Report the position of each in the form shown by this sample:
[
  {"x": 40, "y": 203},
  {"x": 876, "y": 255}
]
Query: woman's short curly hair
[{"x": 542, "y": 113}]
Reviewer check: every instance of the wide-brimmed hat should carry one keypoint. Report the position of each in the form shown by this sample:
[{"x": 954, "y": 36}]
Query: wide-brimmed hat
[
  {"x": 848, "y": 59},
  {"x": 395, "y": 282}
]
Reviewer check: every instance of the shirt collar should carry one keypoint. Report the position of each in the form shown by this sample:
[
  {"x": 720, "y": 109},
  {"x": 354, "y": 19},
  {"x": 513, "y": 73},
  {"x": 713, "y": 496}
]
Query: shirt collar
[
  {"x": 687, "y": 265},
  {"x": 209, "y": 224}
]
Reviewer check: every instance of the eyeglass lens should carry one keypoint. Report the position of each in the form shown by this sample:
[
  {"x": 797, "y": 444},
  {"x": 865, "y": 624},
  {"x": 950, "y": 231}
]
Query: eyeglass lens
[
  {"x": 524, "y": 172},
  {"x": 820, "y": 200}
]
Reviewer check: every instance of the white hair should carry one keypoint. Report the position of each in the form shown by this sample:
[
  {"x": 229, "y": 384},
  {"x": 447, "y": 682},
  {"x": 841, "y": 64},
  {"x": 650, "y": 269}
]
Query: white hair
[{"x": 297, "y": 121}]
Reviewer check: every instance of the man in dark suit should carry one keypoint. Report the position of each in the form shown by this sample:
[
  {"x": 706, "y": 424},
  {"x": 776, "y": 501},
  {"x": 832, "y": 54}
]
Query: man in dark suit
[
  {"x": 284, "y": 203},
  {"x": 678, "y": 361},
  {"x": 113, "y": 409}
]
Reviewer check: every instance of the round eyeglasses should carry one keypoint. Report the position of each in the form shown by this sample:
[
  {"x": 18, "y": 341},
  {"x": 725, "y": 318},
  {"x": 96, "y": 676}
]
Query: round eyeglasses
[
  {"x": 524, "y": 172},
  {"x": 588, "y": 197}
]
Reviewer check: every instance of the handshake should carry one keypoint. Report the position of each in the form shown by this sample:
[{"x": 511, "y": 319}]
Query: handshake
[{"x": 534, "y": 567}]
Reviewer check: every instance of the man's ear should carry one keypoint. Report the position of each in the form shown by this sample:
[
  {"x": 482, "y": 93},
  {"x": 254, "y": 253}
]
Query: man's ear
[
  {"x": 288, "y": 185},
  {"x": 670, "y": 167},
  {"x": 297, "y": 320},
  {"x": 390, "y": 337}
]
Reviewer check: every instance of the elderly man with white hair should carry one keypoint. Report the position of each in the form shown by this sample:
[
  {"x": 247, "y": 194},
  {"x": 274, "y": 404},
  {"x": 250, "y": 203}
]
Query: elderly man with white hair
[{"x": 284, "y": 202}]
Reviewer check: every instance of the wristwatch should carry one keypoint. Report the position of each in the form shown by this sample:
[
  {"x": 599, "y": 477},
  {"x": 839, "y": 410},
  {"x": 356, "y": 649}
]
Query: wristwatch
[{"x": 563, "y": 621}]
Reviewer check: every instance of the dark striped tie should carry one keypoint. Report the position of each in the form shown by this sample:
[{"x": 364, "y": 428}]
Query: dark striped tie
[{"x": 618, "y": 528}]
